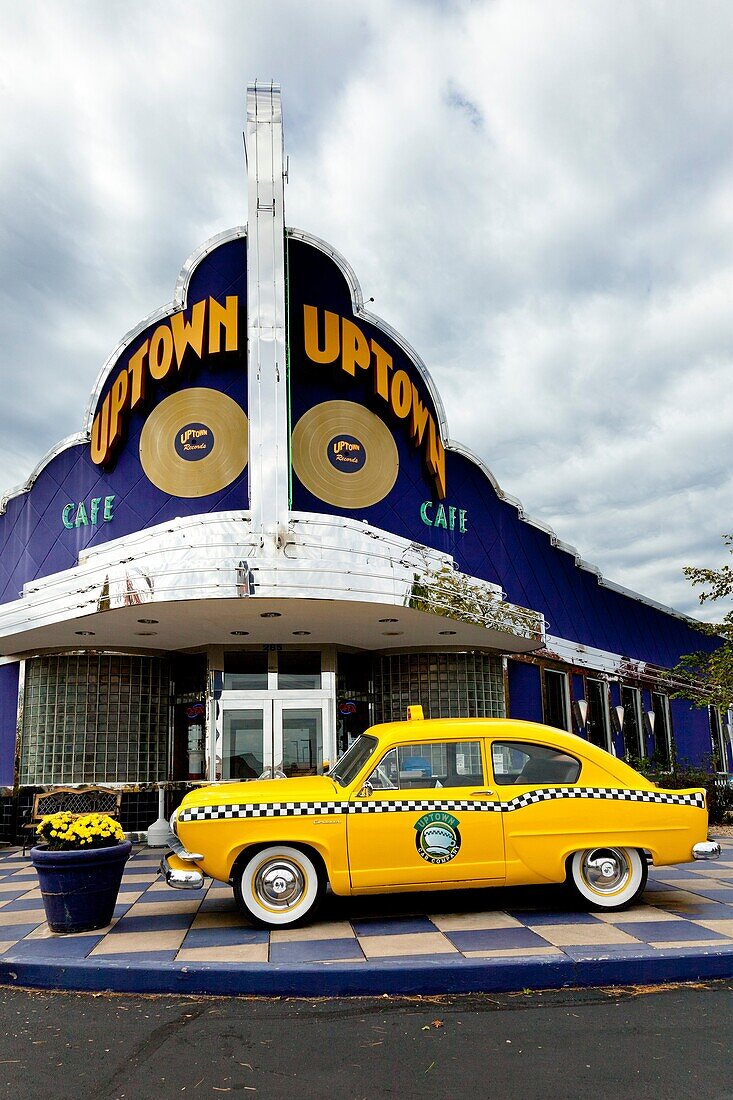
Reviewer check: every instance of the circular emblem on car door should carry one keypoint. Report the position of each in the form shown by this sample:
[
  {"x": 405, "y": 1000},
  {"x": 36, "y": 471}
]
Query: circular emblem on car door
[{"x": 438, "y": 838}]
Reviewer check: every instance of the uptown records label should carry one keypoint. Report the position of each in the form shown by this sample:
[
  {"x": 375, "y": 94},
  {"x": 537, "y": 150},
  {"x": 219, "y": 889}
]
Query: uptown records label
[
  {"x": 194, "y": 443},
  {"x": 344, "y": 454}
]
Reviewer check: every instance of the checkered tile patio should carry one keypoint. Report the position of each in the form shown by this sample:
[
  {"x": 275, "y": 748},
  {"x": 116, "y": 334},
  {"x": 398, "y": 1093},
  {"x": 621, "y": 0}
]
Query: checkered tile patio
[{"x": 685, "y": 908}]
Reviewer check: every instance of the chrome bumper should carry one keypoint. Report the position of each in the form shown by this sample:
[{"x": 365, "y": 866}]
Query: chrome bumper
[
  {"x": 181, "y": 880},
  {"x": 706, "y": 849},
  {"x": 175, "y": 845}
]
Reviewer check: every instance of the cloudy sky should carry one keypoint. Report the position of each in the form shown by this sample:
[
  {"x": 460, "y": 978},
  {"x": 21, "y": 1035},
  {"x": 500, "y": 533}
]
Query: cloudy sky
[{"x": 538, "y": 195}]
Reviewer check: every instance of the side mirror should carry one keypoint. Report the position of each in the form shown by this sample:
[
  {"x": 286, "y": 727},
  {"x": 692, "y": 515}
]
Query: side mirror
[
  {"x": 326, "y": 767},
  {"x": 366, "y": 791}
]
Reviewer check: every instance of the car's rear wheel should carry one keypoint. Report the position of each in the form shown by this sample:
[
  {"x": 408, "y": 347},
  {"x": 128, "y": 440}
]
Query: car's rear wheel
[
  {"x": 278, "y": 886},
  {"x": 608, "y": 878}
]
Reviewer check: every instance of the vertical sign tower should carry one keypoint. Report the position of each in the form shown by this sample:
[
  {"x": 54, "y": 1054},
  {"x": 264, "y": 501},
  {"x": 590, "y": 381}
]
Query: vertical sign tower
[{"x": 267, "y": 356}]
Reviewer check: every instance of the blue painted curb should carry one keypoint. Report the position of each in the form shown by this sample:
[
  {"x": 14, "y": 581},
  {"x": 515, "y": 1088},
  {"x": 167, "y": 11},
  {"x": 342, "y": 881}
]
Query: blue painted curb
[{"x": 407, "y": 977}]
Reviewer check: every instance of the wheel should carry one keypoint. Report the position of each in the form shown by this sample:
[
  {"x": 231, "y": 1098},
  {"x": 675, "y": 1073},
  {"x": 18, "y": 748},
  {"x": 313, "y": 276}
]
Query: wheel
[
  {"x": 278, "y": 886},
  {"x": 608, "y": 878}
]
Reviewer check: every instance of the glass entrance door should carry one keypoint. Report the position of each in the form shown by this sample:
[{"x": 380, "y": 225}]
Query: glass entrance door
[
  {"x": 270, "y": 738},
  {"x": 246, "y": 741},
  {"x": 298, "y": 737},
  {"x": 276, "y": 715}
]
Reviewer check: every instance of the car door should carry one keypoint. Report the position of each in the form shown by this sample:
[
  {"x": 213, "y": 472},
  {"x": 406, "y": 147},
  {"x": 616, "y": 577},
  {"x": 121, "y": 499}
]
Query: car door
[
  {"x": 426, "y": 816},
  {"x": 541, "y": 815}
]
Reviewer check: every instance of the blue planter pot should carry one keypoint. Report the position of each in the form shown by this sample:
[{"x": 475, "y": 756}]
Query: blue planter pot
[{"x": 80, "y": 888}]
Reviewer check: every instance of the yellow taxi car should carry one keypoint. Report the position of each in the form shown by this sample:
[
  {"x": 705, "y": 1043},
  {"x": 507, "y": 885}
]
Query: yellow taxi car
[{"x": 433, "y": 805}]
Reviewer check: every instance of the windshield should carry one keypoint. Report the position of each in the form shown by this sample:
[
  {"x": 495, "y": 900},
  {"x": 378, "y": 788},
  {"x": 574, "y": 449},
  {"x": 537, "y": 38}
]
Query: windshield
[{"x": 350, "y": 764}]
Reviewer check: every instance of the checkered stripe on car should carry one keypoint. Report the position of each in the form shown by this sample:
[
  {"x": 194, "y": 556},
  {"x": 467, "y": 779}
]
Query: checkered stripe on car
[
  {"x": 547, "y": 794},
  {"x": 255, "y": 809},
  {"x": 411, "y": 805},
  {"x": 423, "y": 804}
]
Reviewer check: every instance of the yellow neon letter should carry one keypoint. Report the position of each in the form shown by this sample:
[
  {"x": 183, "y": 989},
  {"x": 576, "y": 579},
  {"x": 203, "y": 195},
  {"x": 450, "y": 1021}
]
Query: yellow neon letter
[
  {"x": 435, "y": 458},
  {"x": 418, "y": 418},
  {"x": 382, "y": 367},
  {"x": 136, "y": 370},
  {"x": 187, "y": 334},
  {"x": 355, "y": 350},
  {"x": 160, "y": 354},
  {"x": 227, "y": 317},
  {"x": 119, "y": 395},
  {"x": 100, "y": 434},
  {"x": 400, "y": 394},
  {"x": 331, "y": 343}
]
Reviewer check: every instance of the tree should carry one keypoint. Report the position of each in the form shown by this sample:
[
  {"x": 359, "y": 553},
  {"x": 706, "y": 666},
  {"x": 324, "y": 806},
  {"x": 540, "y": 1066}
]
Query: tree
[{"x": 707, "y": 676}]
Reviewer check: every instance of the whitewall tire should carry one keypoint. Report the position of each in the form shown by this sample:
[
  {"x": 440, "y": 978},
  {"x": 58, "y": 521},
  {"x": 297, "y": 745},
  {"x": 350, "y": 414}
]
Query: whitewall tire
[
  {"x": 608, "y": 878},
  {"x": 278, "y": 886}
]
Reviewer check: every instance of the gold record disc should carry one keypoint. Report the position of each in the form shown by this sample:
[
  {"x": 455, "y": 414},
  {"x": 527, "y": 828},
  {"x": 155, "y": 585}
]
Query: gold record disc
[
  {"x": 194, "y": 443},
  {"x": 344, "y": 454}
]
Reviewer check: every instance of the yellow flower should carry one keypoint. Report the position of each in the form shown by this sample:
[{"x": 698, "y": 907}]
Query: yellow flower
[{"x": 63, "y": 830}]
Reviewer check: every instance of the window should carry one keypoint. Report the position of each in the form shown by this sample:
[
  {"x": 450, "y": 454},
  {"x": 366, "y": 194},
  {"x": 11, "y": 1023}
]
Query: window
[
  {"x": 720, "y": 756},
  {"x": 299, "y": 670},
  {"x": 353, "y": 697},
  {"x": 596, "y": 724},
  {"x": 662, "y": 729},
  {"x": 302, "y": 734},
  {"x": 441, "y": 764},
  {"x": 555, "y": 699},
  {"x": 245, "y": 671},
  {"x": 633, "y": 729},
  {"x": 520, "y": 762},
  {"x": 92, "y": 718},
  {"x": 350, "y": 764},
  {"x": 447, "y": 685}
]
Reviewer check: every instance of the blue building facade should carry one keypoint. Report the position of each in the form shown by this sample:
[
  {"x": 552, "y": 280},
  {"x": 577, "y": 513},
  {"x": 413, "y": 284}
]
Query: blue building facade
[{"x": 264, "y": 539}]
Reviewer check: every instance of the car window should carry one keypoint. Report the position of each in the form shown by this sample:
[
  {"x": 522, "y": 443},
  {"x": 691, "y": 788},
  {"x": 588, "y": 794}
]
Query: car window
[
  {"x": 350, "y": 764},
  {"x": 438, "y": 764},
  {"x": 522, "y": 762}
]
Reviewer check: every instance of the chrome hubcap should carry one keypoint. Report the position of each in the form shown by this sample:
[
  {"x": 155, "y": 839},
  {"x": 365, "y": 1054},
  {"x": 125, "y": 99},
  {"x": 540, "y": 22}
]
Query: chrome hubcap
[
  {"x": 279, "y": 884},
  {"x": 605, "y": 870}
]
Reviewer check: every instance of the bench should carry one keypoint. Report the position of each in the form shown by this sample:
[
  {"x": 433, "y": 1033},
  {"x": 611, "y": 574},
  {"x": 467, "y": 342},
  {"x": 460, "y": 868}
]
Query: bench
[{"x": 74, "y": 800}]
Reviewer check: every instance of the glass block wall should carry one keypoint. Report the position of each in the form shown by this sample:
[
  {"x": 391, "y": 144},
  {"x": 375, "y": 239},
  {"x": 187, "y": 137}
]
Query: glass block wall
[
  {"x": 95, "y": 718},
  {"x": 447, "y": 685}
]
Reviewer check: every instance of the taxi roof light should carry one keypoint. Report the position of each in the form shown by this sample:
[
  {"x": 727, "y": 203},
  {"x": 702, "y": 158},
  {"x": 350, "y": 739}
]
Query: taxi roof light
[{"x": 415, "y": 713}]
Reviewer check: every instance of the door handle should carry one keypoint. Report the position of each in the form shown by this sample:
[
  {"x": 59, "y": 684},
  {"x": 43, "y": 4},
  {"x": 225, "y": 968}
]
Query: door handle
[{"x": 475, "y": 793}]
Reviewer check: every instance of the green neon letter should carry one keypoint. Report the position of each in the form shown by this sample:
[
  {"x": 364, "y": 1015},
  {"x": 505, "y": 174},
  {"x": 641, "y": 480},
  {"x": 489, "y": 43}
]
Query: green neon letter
[
  {"x": 424, "y": 513},
  {"x": 66, "y": 516}
]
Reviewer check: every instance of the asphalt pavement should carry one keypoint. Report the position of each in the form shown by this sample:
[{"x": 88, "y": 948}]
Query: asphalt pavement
[{"x": 634, "y": 1042}]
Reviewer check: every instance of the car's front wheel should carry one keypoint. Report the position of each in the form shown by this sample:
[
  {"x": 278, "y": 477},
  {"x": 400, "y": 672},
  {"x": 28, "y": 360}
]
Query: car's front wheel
[
  {"x": 278, "y": 886},
  {"x": 608, "y": 878}
]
